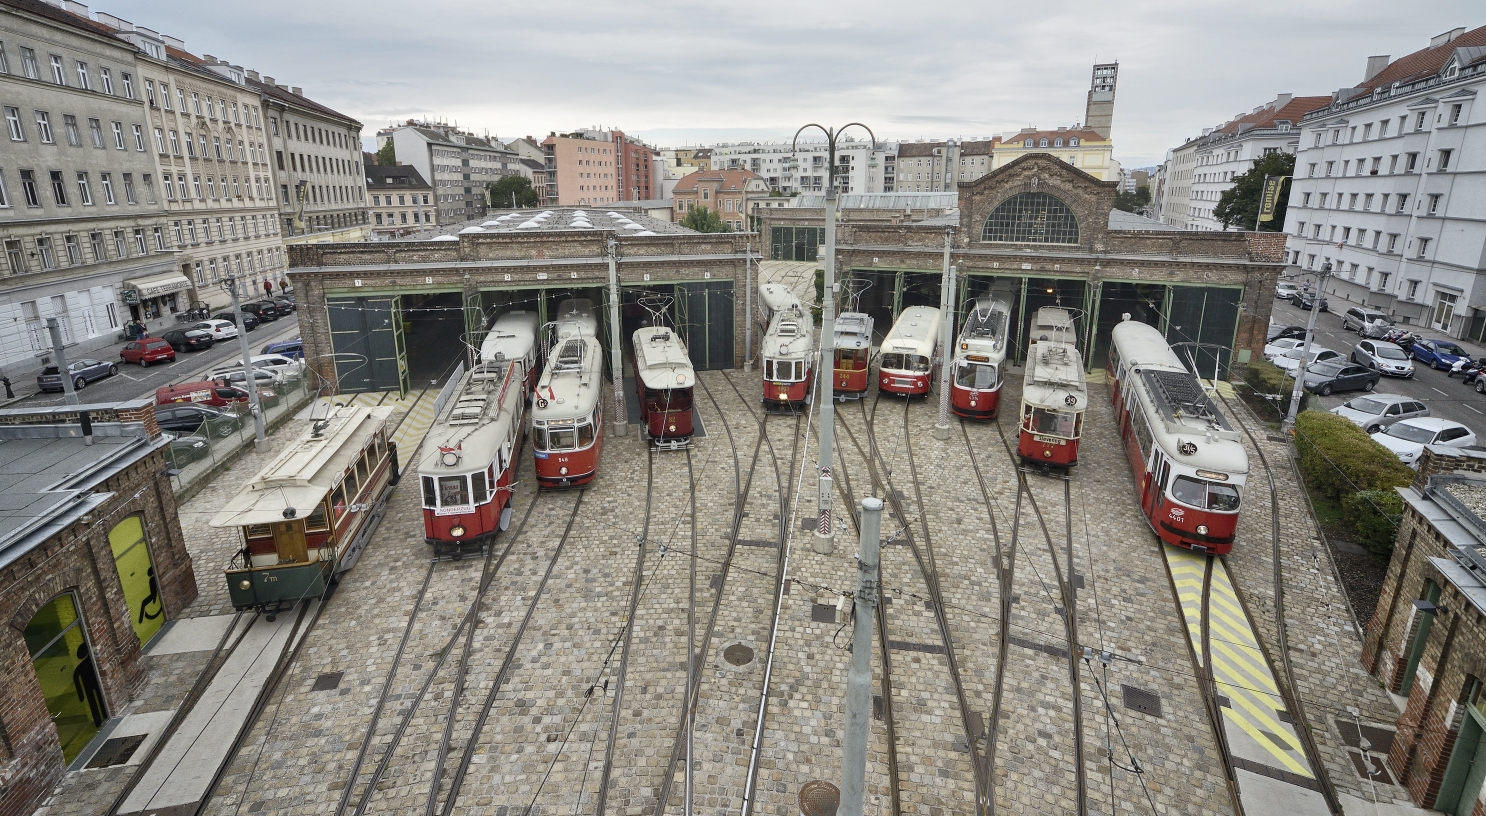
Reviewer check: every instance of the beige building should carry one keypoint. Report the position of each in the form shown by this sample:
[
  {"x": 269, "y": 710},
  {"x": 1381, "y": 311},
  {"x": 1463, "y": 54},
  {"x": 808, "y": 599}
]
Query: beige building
[
  {"x": 401, "y": 201},
  {"x": 1080, "y": 147},
  {"x": 730, "y": 193}
]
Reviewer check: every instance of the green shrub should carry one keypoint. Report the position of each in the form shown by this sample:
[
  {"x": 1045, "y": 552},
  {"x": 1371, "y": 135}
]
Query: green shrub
[
  {"x": 1338, "y": 458},
  {"x": 1374, "y": 516},
  {"x": 1265, "y": 379}
]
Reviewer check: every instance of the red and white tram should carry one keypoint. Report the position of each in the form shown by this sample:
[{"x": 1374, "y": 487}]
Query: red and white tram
[
  {"x": 853, "y": 337},
  {"x": 980, "y": 354},
  {"x": 664, "y": 379},
  {"x": 1054, "y": 394},
  {"x": 905, "y": 364},
  {"x": 513, "y": 336},
  {"x": 1190, "y": 463},
  {"x": 787, "y": 348},
  {"x": 567, "y": 414},
  {"x": 470, "y": 455}
]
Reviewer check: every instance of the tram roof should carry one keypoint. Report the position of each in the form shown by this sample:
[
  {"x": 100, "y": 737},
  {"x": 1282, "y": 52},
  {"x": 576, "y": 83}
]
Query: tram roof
[
  {"x": 476, "y": 420},
  {"x": 572, "y": 381},
  {"x": 302, "y": 473},
  {"x": 512, "y": 334},
  {"x": 777, "y": 298},
  {"x": 791, "y": 334},
  {"x": 853, "y": 330},
  {"x": 661, "y": 359},
  {"x": 986, "y": 325},
  {"x": 916, "y": 331},
  {"x": 1055, "y": 375}
]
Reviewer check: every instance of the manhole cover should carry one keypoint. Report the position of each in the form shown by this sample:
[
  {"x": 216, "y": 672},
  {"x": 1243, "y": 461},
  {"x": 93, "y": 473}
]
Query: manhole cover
[
  {"x": 738, "y": 654},
  {"x": 819, "y": 798}
]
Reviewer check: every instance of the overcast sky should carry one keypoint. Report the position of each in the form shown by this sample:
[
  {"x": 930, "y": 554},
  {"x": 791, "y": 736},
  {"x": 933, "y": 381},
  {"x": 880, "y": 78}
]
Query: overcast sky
[{"x": 680, "y": 73}]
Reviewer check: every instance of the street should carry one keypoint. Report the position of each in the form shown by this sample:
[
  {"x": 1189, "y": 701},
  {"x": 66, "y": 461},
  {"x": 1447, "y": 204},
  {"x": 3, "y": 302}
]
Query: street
[{"x": 1446, "y": 396}]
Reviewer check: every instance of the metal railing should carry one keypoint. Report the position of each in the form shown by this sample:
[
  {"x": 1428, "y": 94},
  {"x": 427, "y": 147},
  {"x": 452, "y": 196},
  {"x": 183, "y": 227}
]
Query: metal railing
[{"x": 195, "y": 457}]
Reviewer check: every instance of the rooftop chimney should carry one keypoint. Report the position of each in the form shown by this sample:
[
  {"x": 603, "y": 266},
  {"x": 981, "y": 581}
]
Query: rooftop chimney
[
  {"x": 76, "y": 8},
  {"x": 209, "y": 59},
  {"x": 174, "y": 42},
  {"x": 111, "y": 21},
  {"x": 1448, "y": 36},
  {"x": 1282, "y": 100},
  {"x": 253, "y": 75},
  {"x": 1375, "y": 65},
  {"x": 298, "y": 91},
  {"x": 268, "y": 80}
]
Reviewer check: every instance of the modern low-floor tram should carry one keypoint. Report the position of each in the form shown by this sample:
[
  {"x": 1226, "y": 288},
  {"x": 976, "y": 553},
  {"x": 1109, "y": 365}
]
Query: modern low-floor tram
[
  {"x": 979, "y": 360},
  {"x": 853, "y": 340},
  {"x": 305, "y": 517},
  {"x": 906, "y": 361},
  {"x": 664, "y": 379},
  {"x": 787, "y": 348},
  {"x": 567, "y": 413}
]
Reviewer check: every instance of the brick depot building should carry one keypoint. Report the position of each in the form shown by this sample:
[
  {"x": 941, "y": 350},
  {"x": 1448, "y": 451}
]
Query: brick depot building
[
  {"x": 92, "y": 564},
  {"x": 1044, "y": 233},
  {"x": 398, "y": 315}
]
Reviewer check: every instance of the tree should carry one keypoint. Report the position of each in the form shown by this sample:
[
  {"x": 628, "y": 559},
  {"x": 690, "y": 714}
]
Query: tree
[
  {"x": 702, "y": 219},
  {"x": 1238, "y": 206},
  {"x": 501, "y": 192},
  {"x": 1131, "y": 202},
  {"x": 387, "y": 154}
]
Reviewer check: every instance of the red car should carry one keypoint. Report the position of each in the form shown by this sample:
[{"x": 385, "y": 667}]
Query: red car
[{"x": 147, "y": 350}]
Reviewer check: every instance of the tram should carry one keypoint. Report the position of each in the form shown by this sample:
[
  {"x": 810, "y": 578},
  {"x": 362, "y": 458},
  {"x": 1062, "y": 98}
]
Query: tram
[
  {"x": 664, "y": 379},
  {"x": 980, "y": 355},
  {"x": 306, "y": 516},
  {"x": 1054, "y": 394},
  {"x": 906, "y": 362},
  {"x": 853, "y": 338},
  {"x": 574, "y": 316},
  {"x": 1190, "y": 463},
  {"x": 470, "y": 455},
  {"x": 513, "y": 336},
  {"x": 787, "y": 347},
  {"x": 567, "y": 413}
]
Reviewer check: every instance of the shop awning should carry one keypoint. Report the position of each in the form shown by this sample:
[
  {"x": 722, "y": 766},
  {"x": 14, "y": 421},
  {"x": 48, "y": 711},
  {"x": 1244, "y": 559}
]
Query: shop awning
[{"x": 158, "y": 285}]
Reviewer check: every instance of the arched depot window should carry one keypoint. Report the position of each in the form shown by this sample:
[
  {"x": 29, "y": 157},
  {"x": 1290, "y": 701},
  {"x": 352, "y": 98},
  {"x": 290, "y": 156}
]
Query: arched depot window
[{"x": 1032, "y": 218}]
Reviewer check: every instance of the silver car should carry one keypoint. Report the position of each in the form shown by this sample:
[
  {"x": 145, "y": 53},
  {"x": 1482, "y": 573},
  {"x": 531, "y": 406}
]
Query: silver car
[
  {"x": 1374, "y": 412},
  {"x": 1384, "y": 358},
  {"x": 1358, "y": 318}
]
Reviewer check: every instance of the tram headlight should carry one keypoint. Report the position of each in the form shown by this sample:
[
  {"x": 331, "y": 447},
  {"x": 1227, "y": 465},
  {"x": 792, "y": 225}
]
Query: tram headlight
[
  {"x": 563, "y": 471},
  {"x": 1202, "y": 529},
  {"x": 245, "y": 584},
  {"x": 783, "y": 396},
  {"x": 671, "y": 428},
  {"x": 457, "y": 530}
]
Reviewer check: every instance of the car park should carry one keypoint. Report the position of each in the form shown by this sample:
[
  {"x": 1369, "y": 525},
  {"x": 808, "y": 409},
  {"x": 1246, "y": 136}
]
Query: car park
[
  {"x": 1440, "y": 354},
  {"x": 1407, "y": 438},
  {"x": 1359, "y": 318},
  {"x": 250, "y": 320},
  {"x": 289, "y": 348},
  {"x": 1290, "y": 360},
  {"x": 218, "y": 329},
  {"x": 81, "y": 372},
  {"x": 1335, "y": 375},
  {"x": 147, "y": 350},
  {"x": 196, "y": 418},
  {"x": 1284, "y": 290},
  {"x": 1374, "y": 412},
  {"x": 264, "y": 310},
  {"x": 183, "y": 450},
  {"x": 1384, "y": 358},
  {"x": 1308, "y": 301},
  {"x": 188, "y": 339},
  {"x": 1281, "y": 346}
]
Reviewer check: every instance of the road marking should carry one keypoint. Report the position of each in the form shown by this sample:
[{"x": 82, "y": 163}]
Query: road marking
[
  {"x": 1473, "y": 408},
  {"x": 1437, "y": 391}
]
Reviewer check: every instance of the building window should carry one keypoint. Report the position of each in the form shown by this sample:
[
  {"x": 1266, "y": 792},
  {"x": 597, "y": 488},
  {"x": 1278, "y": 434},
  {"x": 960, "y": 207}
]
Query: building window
[
  {"x": 159, "y": 234},
  {"x": 1423, "y": 247},
  {"x": 128, "y": 82},
  {"x": 1445, "y": 159},
  {"x": 59, "y": 73},
  {"x": 84, "y": 194},
  {"x": 44, "y": 127},
  {"x": 149, "y": 91},
  {"x": 139, "y": 241},
  {"x": 74, "y": 250},
  {"x": 107, "y": 182},
  {"x": 13, "y": 123},
  {"x": 59, "y": 188},
  {"x": 121, "y": 247},
  {"x": 138, "y": 138},
  {"x": 1403, "y": 202},
  {"x": 1329, "y": 167},
  {"x": 1434, "y": 203},
  {"x": 15, "y": 256},
  {"x": 1411, "y": 162},
  {"x": 44, "y": 247},
  {"x": 1032, "y": 218},
  {"x": 129, "y": 189},
  {"x": 118, "y": 128}
]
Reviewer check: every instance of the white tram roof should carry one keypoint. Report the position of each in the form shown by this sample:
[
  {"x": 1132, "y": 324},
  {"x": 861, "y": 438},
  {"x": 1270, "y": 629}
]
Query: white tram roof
[
  {"x": 576, "y": 312},
  {"x": 853, "y": 330},
  {"x": 1141, "y": 345},
  {"x": 1054, "y": 375},
  {"x": 984, "y": 333},
  {"x": 477, "y": 420},
  {"x": 1053, "y": 323},
  {"x": 791, "y": 334},
  {"x": 302, "y": 473},
  {"x": 916, "y": 332},
  {"x": 661, "y": 360},
  {"x": 777, "y": 298},
  {"x": 572, "y": 382},
  {"x": 513, "y": 335}
]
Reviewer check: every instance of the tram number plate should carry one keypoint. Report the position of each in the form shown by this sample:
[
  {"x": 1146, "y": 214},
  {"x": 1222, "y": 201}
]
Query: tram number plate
[
  {"x": 1049, "y": 440},
  {"x": 455, "y": 510}
]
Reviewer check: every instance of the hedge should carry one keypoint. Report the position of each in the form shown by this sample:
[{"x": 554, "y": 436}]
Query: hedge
[
  {"x": 1338, "y": 458},
  {"x": 1265, "y": 378},
  {"x": 1374, "y": 516}
]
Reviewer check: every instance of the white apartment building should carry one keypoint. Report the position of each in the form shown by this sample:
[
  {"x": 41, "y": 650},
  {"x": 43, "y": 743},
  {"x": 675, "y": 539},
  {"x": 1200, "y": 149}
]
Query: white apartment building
[
  {"x": 458, "y": 164},
  {"x": 1390, "y": 188},
  {"x": 790, "y": 170}
]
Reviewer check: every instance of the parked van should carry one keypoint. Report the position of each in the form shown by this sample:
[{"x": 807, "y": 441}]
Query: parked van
[{"x": 205, "y": 392}]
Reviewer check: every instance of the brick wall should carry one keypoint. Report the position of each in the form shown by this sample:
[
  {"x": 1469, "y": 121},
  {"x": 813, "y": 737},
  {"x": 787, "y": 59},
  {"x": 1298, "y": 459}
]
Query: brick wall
[{"x": 139, "y": 410}]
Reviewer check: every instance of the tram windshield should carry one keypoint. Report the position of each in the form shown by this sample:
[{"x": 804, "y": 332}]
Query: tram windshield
[
  {"x": 672, "y": 399},
  {"x": 453, "y": 490},
  {"x": 784, "y": 370},
  {"x": 897, "y": 361},
  {"x": 975, "y": 375},
  {"x": 851, "y": 359},
  {"x": 1048, "y": 422},
  {"x": 1205, "y": 495},
  {"x": 563, "y": 438}
]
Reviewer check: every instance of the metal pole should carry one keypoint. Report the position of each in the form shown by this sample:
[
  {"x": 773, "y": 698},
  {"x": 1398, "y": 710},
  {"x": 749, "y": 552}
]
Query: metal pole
[
  {"x": 824, "y": 531},
  {"x": 616, "y": 356},
  {"x": 1305, "y": 350},
  {"x": 859, "y": 679},
  {"x": 260, "y": 437},
  {"x": 946, "y": 338},
  {"x": 55, "y": 329},
  {"x": 747, "y": 306}
]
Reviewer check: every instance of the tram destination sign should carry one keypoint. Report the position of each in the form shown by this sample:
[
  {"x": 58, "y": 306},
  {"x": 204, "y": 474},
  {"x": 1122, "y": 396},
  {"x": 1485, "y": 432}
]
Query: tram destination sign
[{"x": 454, "y": 510}]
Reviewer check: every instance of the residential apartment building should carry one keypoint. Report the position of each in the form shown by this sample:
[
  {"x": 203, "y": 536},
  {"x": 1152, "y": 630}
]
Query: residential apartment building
[
  {"x": 684, "y": 161},
  {"x": 531, "y": 161},
  {"x": 935, "y": 167},
  {"x": 1081, "y": 147},
  {"x": 1389, "y": 180},
  {"x": 459, "y": 165},
  {"x": 83, "y": 221},
  {"x": 317, "y": 165},
  {"x": 792, "y": 170},
  {"x": 590, "y": 167},
  {"x": 401, "y": 201},
  {"x": 732, "y": 194}
]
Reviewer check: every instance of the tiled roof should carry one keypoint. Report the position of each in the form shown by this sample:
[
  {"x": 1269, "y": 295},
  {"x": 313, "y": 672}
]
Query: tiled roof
[
  {"x": 1266, "y": 117},
  {"x": 288, "y": 97},
  {"x": 1038, "y": 135},
  {"x": 977, "y": 148},
  {"x": 469, "y": 141},
  {"x": 1428, "y": 61},
  {"x": 731, "y": 180},
  {"x": 533, "y": 164},
  {"x": 55, "y": 14},
  {"x": 912, "y": 149}
]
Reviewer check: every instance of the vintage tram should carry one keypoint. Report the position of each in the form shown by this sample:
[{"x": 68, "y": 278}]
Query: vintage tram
[
  {"x": 1054, "y": 394},
  {"x": 574, "y": 316},
  {"x": 1190, "y": 463},
  {"x": 787, "y": 347},
  {"x": 979, "y": 357},
  {"x": 470, "y": 456},
  {"x": 664, "y": 379},
  {"x": 307, "y": 515},
  {"x": 567, "y": 413},
  {"x": 853, "y": 338},
  {"x": 906, "y": 361},
  {"x": 513, "y": 337}
]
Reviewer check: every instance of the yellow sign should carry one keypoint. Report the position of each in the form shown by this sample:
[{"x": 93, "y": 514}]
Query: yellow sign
[{"x": 1269, "y": 200}]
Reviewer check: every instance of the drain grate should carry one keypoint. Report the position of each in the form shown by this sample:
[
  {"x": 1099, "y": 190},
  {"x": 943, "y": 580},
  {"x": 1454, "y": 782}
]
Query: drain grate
[
  {"x": 738, "y": 654},
  {"x": 1145, "y": 702},
  {"x": 823, "y": 613},
  {"x": 327, "y": 681},
  {"x": 818, "y": 798},
  {"x": 116, "y": 751},
  {"x": 1283, "y": 440}
]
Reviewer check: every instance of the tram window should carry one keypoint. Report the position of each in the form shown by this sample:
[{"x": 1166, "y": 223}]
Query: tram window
[
  {"x": 316, "y": 522},
  {"x": 477, "y": 486},
  {"x": 1056, "y": 423},
  {"x": 453, "y": 490},
  {"x": 260, "y": 531},
  {"x": 560, "y": 439},
  {"x": 361, "y": 470},
  {"x": 338, "y": 500},
  {"x": 975, "y": 375},
  {"x": 352, "y": 486},
  {"x": 1222, "y": 497},
  {"x": 376, "y": 448},
  {"x": 1205, "y": 495},
  {"x": 768, "y": 369},
  {"x": 539, "y": 439},
  {"x": 430, "y": 498},
  {"x": 585, "y": 435},
  {"x": 1165, "y": 473}
]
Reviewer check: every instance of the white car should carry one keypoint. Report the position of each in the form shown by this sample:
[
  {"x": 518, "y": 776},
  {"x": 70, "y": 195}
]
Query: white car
[
  {"x": 1278, "y": 348},
  {"x": 235, "y": 376},
  {"x": 286, "y": 367},
  {"x": 1375, "y": 412},
  {"x": 1290, "y": 360},
  {"x": 1407, "y": 438},
  {"x": 1284, "y": 290},
  {"x": 219, "y": 329}
]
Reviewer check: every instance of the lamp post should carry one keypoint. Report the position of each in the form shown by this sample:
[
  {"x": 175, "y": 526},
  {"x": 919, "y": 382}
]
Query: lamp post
[
  {"x": 1305, "y": 350},
  {"x": 616, "y": 356},
  {"x": 250, "y": 381},
  {"x": 946, "y": 338},
  {"x": 824, "y": 529}
]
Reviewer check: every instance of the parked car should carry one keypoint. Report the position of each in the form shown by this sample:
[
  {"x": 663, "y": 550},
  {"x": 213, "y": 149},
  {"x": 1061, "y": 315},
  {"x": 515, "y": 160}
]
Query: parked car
[
  {"x": 1375, "y": 412},
  {"x": 1384, "y": 358},
  {"x": 1308, "y": 301},
  {"x": 1278, "y": 332},
  {"x": 1359, "y": 318},
  {"x": 148, "y": 350},
  {"x": 1281, "y": 346},
  {"x": 1440, "y": 354},
  {"x": 289, "y": 348},
  {"x": 1325, "y": 378},
  {"x": 236, "y": 376},
  {"x": 250, "y": 320},
  {"x": 284, "y": 306},
  {"x": 196, "y": 418},
  {"x": 281, "y": 364},
  {"x": 188, "y": 339},
  {"x": 218, "y": 329},
  {"x": 264, "y": 310},
  {"x": 183, "y": 450},
  {"x": 1408, "y": 437},
  {"x": 1290, "y": 360},
  {"x": 81, "y": 372},
  {"x": 1284, "y": 290},
  {"x": 205, "y": 392}
]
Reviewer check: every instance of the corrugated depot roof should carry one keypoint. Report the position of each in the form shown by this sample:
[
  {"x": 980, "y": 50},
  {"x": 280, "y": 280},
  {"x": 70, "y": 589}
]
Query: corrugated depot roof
[{"x": 1121, "y": 220}]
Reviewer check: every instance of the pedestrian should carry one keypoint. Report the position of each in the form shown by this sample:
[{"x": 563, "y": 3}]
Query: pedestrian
[
  {"x": 267, "y": 288},
  {"x": 283, "y": 284}
]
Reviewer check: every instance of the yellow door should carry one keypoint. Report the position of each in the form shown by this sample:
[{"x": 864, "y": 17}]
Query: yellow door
[
  {"x": 137, "y": 575},
  {"x": 288, "y": 539}
]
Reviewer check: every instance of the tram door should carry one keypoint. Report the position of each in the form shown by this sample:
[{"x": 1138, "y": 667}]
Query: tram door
[
  {"x": 288, "y": 540},
  {"x": 1154, "y": 485}
]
